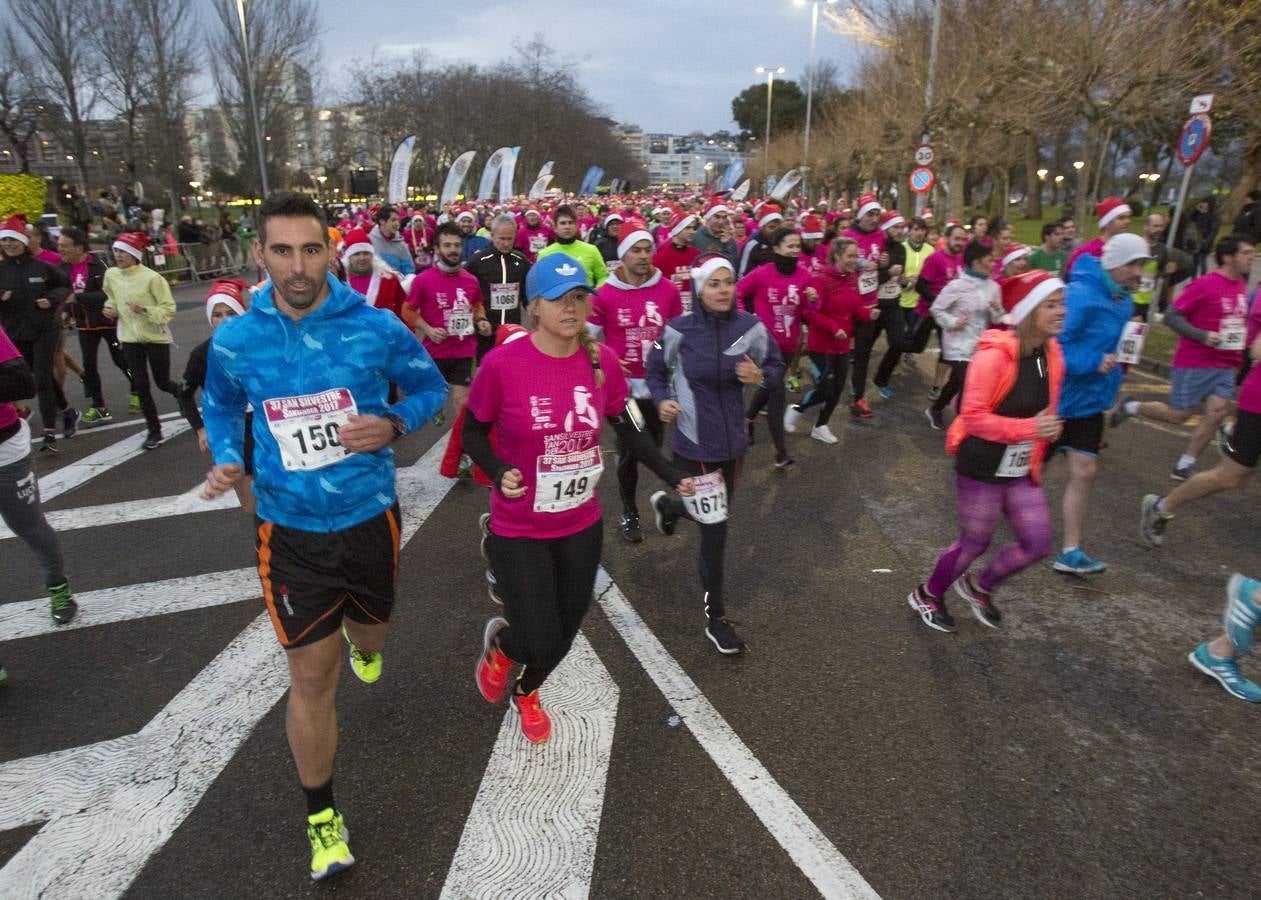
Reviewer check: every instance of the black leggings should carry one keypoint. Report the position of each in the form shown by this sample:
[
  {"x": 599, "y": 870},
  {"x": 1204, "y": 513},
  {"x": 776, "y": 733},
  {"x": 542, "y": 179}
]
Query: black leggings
[
  {"x": 892, "y": 324},
  {"x": 889, "y": 362},
  {"x": 923, "y": 330},
  {"x": 713, "y": 537},
  {"x": 40, "y": 354},
  {"x": 140, "y": 358},
  {"x": 546, "y": 587},
  {"x": 776, "y": 397},
  {"x": 828, "y": 370},
  {"x": 89, "y": 342},
  {"x": 628, "y": 461},
  {"x": 958, "y": 371}
]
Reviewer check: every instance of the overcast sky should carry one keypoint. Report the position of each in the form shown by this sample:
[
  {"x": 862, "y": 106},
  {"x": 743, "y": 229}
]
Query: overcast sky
[{"x": 666, "y": 66}]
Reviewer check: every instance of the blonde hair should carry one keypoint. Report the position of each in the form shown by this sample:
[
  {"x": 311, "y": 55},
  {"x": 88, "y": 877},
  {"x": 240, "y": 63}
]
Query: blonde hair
[
  {"x": 838, "y": 248},
  {"x": 589, "y": 344}
]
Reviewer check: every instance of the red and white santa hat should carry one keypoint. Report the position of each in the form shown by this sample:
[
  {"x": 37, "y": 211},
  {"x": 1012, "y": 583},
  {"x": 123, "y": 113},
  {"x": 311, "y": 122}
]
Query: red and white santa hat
[
  {"x": 15, "y": 227},
  {"x": 509, "y": 332},
  {"x": 633, "y": 231},
  {"x": 231, "y": 292},
  {"x": 867, "y": 203},
  {"x": 890, "y": 219},
  {"x": 613, "y": 217},
  {"x": 716, "y": 207},
  {"x": 707, "y": 265},
  {"x": 133, "y": 242},
  {"x": 356, "y": 242},
  {"x": 1022, "y": 293},
  {"x": 533, "y": 210},
  {"x": 679, "y": 223},
  {"x": 465, "y": 213},
  {"x": 769, "y": 216},
  {"x": 1013, "y": 253},
  {"x": 811, "y": 228},
  {"x": 1109, "y": 208},
  {"x": 846, "y": 213}
]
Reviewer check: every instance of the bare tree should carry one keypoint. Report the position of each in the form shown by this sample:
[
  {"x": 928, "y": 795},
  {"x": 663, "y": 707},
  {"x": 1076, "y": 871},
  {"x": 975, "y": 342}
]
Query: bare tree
[
  {"x": 20, "y": 106},
  {"x": 283, "y": 38},
  {"x": 65, "y": 68},
  {"x": 167, "y": 28},
  {"x": 124, "y": 72}
]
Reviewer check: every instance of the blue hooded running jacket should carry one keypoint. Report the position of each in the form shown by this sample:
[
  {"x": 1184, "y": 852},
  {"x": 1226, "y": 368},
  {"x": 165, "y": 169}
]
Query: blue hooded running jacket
[
  {"x": 1096, "y": 310},
  {"x": 344, "y": 343}
]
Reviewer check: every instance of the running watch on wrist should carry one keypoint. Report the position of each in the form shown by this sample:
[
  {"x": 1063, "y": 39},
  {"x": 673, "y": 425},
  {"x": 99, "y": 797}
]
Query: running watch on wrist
[{"x": 396, "y": 421}]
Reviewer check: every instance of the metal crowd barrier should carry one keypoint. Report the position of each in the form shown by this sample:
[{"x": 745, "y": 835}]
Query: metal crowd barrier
[{"x": 191, "y": 262}]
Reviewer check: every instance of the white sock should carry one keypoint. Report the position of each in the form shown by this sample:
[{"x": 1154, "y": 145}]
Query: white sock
[
  {"x": 1069, "y": 549},
  {"x": 1185, "y": 462},
  {"x": 1160, "y": 506},
  {"x": 1131, "y": 408}
]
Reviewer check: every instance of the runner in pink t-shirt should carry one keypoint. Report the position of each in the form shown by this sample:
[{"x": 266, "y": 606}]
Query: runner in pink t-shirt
[
  {"x": 20, "y": 509},
  {"x": 1241, "y": 445},
  {"x": 547, "y": 399},
  {"x": 1211, "y": 319}
]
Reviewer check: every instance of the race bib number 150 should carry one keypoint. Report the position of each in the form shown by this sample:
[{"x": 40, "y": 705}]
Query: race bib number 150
[{"x": 306, "y": 428}]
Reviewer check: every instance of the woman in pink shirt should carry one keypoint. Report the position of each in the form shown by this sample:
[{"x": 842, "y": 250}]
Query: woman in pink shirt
[
  {"x": 547, "y": 399},
  {"x": 776, "y": 291},
  {"x": 833, "y": 305}
]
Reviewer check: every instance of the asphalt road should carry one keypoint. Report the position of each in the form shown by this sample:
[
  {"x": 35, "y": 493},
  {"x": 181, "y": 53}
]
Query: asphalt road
[{"x": 1072, "y": 753}]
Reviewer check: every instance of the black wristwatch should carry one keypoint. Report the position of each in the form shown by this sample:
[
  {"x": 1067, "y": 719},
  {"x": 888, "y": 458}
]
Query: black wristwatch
[{"x": 400, "y": 427}]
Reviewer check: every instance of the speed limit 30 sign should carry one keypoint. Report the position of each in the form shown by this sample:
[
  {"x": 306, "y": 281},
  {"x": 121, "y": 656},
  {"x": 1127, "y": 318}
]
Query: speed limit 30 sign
[{"x": 924, "y": 155}]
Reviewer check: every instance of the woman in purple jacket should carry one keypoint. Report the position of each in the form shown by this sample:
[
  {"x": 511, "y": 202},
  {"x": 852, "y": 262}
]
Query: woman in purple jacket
[{"x": 696, "y": 373}]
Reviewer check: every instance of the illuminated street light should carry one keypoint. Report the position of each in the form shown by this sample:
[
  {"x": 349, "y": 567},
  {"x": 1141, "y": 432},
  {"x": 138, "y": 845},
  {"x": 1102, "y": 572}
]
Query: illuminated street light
[{"x": 771, "y": 72}]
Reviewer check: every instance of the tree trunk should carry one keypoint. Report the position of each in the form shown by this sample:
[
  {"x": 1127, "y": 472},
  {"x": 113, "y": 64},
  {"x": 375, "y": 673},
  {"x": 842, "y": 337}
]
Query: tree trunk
[
  {"x": 1249, "y": 178},
  {"x": 957, "y": 190},
  {"x": 1082, "y": 176},
  {"x": 1033, "y": 193}
]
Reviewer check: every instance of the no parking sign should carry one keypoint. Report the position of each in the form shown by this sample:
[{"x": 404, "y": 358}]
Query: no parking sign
[
  {"x": 1194, "y": 139},
  {"x": 922, "y": 180}
]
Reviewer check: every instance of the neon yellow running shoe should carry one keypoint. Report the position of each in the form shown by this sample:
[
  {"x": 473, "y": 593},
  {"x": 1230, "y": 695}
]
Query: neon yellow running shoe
[
  {"x": 366, "y": 666},
  {"x": 330, "y": 852}
]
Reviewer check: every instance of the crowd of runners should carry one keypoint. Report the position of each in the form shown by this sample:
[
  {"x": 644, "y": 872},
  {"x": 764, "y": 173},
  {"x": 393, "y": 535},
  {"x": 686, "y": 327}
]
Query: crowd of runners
[{"x": 676, "y": 322}]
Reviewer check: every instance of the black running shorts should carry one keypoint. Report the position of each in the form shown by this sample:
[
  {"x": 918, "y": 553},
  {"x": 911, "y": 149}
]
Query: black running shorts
[
  {"x": 311, "y": 579},
  {"x": 1085, "y": 435},
  {"x": 458, "y": 372},
  {"x": 1244, "y": 444}
]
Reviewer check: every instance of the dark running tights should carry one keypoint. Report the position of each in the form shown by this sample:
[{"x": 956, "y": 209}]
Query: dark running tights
[
  {"x": 628, "y": 461},
  {"x": 713, "y": 537},
  {"x": 140, "y": 359},
  {"x": 828, "y": 370},
  {"x": 546, "y": 587}
]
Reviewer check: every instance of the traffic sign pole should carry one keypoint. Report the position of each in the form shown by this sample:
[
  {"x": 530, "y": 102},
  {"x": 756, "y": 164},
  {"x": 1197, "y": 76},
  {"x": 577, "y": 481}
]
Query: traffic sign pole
[{"x": 1191, "y": 145}]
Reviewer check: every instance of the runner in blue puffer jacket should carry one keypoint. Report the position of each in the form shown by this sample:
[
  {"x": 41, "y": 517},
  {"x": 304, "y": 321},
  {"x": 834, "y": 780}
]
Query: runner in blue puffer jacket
[{"x": 696, "y": 373}]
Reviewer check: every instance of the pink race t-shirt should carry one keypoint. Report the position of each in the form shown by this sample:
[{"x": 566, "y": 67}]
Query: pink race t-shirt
[
  {"x": 79, "y": 276},
  {"x": 1249, "y": 398},
  {"x": 447, "y": 300},
  {"x": 632, "y": 318},
  {"x": 547, "y": 415},
  {"x": 777, "y": 300},
  {"x": 870, "y": 246},
  {"x": 1212, "y": 302},
  {"x": 8, "y": 413}
]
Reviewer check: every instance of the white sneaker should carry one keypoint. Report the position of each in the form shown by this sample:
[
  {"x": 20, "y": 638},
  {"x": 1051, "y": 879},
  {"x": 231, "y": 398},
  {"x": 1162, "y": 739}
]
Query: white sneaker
[
  {"x": 792, "y": 418},
  {"x": 824, "y": 434}
]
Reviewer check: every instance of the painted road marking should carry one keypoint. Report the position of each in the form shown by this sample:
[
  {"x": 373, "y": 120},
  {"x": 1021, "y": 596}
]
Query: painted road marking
[
  {"x": 831, "y": 873},
  {"x": 29, "y": 618},
  {"x": 56, "y": 483},
  {"x": 109, "y": 426},
  {"x": 133, "y": 511},
  {"x": 108, "y": 807},
  {"x": 536, "y": 818}
]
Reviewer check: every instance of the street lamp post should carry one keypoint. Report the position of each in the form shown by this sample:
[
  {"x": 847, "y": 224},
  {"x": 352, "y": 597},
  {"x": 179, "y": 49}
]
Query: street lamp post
[
  {"x": 814, "y": 33},
  {"x": 771, "y": 72},
  {"x": 249, "y": 89}
]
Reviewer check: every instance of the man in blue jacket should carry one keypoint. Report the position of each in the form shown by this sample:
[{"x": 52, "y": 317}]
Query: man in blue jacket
[
  {"x": 1098, "y": 305},
  {"x": 316, "y": 363}
]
